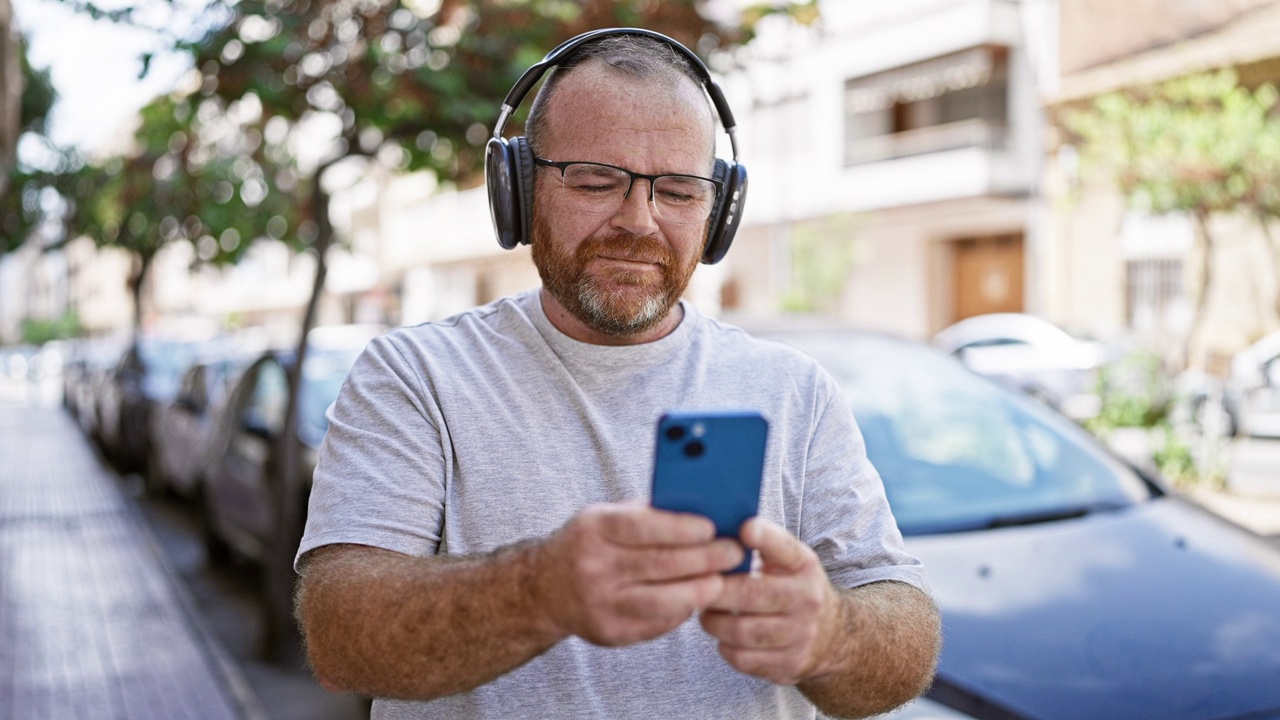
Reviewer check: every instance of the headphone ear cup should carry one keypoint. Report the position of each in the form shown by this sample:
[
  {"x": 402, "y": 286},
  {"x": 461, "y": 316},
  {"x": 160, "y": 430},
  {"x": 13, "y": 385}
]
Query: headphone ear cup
[
  {"x": 727, "y": 213},
  {"x": 523, "y": 168},
  {"x": 504, "y": 203}
]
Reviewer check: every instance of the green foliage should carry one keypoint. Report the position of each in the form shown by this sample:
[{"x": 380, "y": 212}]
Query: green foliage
[
  {"x": 822, "y": 254},
  {"x": 1136, "y": 395},
  {"x": 197, "y": 173},
  {"x": 1134, "y": 392},
  {"x": 23, "y": 189},
  {"x": 1201, "y": 143},
  {"x": 39, "y": 332},
  {"x": 285, "y": 88}
]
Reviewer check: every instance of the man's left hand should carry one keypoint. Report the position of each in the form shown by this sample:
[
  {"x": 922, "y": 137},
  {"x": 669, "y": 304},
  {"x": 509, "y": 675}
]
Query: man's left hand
[{"x": 779, "y": 624}]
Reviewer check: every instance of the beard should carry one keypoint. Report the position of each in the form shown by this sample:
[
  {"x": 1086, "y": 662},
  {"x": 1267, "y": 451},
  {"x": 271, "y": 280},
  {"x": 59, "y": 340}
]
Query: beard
[{"x": 615, "y": 301}]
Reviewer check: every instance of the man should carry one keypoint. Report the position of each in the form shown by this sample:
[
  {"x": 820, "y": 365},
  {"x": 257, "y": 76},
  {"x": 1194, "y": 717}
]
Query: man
[{"x": 478, "y": 544}]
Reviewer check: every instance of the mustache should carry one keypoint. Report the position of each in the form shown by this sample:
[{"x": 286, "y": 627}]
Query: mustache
[{"x": 641, "y": 248}]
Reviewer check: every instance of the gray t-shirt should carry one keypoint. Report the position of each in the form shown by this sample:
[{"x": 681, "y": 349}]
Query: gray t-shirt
[{"x": 468, "y": 434}]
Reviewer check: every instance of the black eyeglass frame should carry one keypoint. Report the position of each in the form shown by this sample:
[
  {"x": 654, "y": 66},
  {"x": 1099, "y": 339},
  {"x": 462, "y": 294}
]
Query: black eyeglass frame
[{"x": 562, "y": 165}]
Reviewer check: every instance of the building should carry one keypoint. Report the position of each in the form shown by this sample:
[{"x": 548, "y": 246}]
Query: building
[
  {"x": 894, "y": 153},
  {"x": 1119, "y": 265}
]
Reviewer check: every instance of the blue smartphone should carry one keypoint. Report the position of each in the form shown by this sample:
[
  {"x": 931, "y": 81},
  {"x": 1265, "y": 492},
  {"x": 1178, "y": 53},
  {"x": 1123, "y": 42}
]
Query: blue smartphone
[{"x": 711, "y": 463}]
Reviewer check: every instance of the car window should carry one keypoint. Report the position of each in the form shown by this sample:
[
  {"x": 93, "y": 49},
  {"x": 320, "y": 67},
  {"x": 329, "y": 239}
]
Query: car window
[
  {"x": 957, "y": 452},
  {"x": 267, "y": 403},
  {"x": 323, "y": 373},
  {"x": 193, "y": 387}
]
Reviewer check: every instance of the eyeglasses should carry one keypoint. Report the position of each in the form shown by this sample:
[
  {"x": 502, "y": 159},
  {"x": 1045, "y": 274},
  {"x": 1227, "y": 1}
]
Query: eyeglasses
[{"x": 598, "y": 188}]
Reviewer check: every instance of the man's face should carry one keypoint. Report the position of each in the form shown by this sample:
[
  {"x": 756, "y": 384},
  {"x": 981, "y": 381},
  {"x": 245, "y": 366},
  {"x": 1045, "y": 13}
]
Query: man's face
[{"x": 619, "y": 274}]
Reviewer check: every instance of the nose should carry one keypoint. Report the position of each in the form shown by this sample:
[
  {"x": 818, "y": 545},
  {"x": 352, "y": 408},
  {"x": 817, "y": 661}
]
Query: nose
[{"x": 636, "y": 214}]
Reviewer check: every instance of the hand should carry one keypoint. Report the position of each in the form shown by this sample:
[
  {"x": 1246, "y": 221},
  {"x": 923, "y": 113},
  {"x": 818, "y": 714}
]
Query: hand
[
  {"x": 777, "y": 624},
  {"x": 619, "y": 574}
]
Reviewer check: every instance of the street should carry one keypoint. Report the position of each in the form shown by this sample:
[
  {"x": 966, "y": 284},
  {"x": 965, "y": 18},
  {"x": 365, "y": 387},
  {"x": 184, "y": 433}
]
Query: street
[{"x": 228, "y": 599}]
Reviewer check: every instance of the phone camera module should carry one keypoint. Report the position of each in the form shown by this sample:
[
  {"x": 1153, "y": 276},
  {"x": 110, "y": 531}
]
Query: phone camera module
[
  {"x": 694, "y": 449},
  {"x": 675, "y": 433}
]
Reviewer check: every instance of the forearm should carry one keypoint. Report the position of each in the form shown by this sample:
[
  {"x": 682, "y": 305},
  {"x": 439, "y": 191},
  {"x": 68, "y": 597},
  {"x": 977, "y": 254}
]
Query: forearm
[
  {"x": 884, "y": 651},
  {"x": 381, "y": 623}
]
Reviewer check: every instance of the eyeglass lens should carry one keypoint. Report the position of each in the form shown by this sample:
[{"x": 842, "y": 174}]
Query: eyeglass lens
[{"x": 600, "y": 188}]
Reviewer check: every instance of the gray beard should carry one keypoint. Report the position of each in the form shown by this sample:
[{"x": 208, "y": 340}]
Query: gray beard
[{"x": 595, "y": 307}]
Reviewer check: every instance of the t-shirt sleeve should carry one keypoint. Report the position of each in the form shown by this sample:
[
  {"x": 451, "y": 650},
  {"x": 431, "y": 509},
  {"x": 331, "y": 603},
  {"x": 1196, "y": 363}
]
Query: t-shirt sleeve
[
  {"x": 381, "y": 474},
  {"x": 846, "y": 517}
]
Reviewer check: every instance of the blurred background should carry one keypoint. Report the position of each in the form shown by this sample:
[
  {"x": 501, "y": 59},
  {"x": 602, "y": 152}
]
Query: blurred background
[{"x": 210, "y": 204}]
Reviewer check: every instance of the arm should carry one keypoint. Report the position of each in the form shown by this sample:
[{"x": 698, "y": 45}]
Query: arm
[
  {"x": 854, "y": 653},
  {"x": 387, "y": 624}
]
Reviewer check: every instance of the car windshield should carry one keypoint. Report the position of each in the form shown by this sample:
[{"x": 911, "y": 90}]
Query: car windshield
[
  {"x": 955, "y": 451},
  {"x": 322, "y": 376},
  {"x": 165, "y": 362}
]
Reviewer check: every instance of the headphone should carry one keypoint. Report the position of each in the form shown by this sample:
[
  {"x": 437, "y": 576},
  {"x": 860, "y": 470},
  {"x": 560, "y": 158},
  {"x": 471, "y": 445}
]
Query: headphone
[{"x": 509, "y": 164}]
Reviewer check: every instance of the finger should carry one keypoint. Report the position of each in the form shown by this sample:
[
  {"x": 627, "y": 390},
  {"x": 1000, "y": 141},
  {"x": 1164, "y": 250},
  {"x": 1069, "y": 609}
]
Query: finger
[
  {"x": 642, "y": 525},
  {"x": 675, "y": 600},
  {"x": 780, "y": 551},
  {"x": 670, "y": 563},
  {"x": 752, "y": 631},
  {"x": 760, "y": 594}
]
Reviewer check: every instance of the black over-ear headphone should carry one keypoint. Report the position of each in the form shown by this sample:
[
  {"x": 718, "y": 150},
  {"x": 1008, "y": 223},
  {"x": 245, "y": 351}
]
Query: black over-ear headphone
[{"x": 509, "y": 165}]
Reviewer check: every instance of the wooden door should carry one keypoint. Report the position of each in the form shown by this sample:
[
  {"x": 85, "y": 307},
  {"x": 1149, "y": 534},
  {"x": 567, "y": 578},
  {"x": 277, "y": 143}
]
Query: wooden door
[{"x": 988, "y": 275}]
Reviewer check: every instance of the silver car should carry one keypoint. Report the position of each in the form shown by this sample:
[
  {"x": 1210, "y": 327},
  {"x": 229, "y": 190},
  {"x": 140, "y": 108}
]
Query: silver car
[{"x": 1035, "y": 356}]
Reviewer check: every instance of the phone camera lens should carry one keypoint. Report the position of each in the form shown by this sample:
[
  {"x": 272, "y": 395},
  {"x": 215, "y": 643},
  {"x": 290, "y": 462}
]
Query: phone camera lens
[
  {"x": 694, "y": 449},
  {"x": 675, "y": 433}
]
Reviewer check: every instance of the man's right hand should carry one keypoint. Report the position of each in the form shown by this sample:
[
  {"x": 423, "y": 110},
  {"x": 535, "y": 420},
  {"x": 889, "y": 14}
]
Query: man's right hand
[{"x": 618, "y": 574}]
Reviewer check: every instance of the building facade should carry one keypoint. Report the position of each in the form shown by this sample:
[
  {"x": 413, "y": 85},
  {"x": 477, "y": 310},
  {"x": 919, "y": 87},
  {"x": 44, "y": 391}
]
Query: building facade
[
  {"x": 1120, "y": 265},
  {"x": 901, "y": 143}
]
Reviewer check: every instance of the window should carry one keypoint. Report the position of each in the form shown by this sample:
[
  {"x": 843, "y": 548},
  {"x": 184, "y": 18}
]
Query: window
[
  {"x": 1154, "y": 300},
  {"x": 954, "y": 101}
]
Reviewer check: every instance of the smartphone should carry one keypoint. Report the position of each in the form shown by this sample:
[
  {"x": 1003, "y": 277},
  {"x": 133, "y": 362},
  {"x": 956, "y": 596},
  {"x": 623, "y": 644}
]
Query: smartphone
[{"x": 711, "y": 463}]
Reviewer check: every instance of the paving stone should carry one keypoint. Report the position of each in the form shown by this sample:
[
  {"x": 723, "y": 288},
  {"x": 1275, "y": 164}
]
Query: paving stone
[{"x": 91, "y": 624}]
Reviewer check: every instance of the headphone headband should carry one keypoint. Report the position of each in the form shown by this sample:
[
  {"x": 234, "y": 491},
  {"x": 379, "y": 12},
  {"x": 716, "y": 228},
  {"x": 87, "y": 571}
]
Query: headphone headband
[
  {"x": 510, "y": 165},
  {"x": 531, "y": 77}
]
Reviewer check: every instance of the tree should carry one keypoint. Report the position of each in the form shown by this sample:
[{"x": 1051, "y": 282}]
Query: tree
[
  {"x": 415, "y": 85},
  {"x": 25, "y": 187},
  {"x": 1199, "y": 145}
]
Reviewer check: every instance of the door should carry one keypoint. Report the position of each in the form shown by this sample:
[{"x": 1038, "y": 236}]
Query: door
[
  {"x": 988, "y": 275},
  {"x": 244, "y": 499}
]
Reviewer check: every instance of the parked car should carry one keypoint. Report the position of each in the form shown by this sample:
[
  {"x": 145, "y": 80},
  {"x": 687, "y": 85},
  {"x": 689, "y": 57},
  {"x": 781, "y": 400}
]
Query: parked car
[
  {"x": 89, "y": 362},
  {"x": 246, "y": 502},
  {"x": 147, "y": 375},
  {"x": 183, "y": 428},
  {"x": 1035, "y": 356},
  {"x": 1246, "y": 402},
  {"x": 1253, "y": 390},
  {"x": 1071, "y": 585}
]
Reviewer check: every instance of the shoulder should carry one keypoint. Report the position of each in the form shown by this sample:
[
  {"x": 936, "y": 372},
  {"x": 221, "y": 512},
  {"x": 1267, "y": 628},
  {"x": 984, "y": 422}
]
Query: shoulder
[
  {"x": 761, "y": 351},
  {"x": 501, "y": 320}
]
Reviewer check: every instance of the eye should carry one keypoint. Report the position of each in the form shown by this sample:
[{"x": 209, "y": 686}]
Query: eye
[{"x": 594, "y": 179}]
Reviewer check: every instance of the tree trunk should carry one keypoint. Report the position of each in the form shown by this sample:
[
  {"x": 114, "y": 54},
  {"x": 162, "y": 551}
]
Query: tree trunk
[
  {"x": 281, "y": 638},
  {"x": 1272, "y": 244},
  {"x": 142, "y": 266},
  {"x": 1205, "y": 240}
]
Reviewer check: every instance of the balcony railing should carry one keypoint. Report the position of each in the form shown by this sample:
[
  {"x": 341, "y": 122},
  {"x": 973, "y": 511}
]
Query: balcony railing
[{"x": 977, "y": 132}]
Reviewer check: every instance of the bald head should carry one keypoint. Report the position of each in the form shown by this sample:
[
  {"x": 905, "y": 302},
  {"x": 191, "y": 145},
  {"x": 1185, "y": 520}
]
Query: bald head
[{"x": 642, "y": 68}]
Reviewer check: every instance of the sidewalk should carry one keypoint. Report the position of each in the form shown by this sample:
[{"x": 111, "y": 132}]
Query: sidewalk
[
  {"x": 1252, "y": 495},
  {"x": 93, "y": 624}
]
